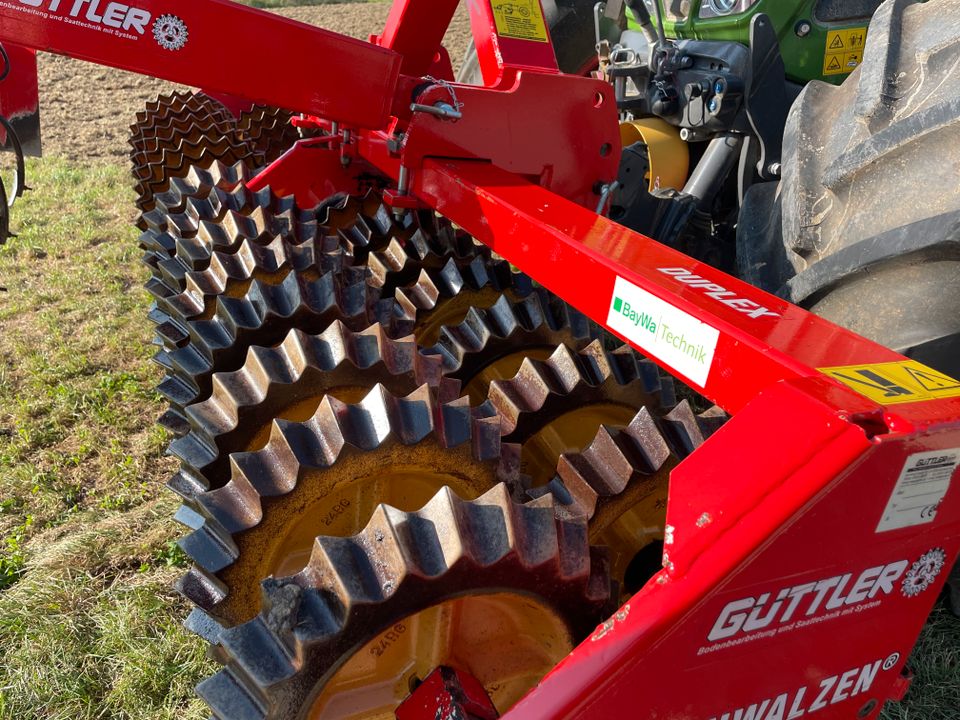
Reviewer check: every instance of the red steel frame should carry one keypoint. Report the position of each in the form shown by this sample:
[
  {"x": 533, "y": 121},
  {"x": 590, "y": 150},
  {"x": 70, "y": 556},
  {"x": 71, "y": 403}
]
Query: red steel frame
[
  {"x": 787, "y": 495},
  {"x": 20, "y": 101}
]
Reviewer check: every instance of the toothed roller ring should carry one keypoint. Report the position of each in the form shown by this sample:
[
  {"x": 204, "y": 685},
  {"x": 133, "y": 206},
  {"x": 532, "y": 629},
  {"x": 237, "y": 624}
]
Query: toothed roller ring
[
  {"x": 266, "y": 313},
  {"x": 619, "y": 484},
  {"x": 268, "y": 130},
  {"x": 289, "y": 380},
  {"x": 326, "y": 475},
  {"x": 177, "y": 132},
  {"x": 500, "y": 590}
]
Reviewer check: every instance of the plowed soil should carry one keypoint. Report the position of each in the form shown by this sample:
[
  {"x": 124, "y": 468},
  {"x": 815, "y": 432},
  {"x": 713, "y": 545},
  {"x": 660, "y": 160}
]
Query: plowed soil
[{"x": 87, "y": 109}]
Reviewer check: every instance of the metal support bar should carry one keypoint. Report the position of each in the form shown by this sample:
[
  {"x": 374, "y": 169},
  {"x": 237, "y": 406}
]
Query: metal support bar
[
  {"x": 415, "y": 30},
  {"x": 754, "y": 339},
  {"x": 172, "y": 40}
]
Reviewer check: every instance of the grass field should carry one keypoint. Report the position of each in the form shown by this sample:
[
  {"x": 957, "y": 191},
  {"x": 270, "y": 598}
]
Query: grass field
[{"x": 89, "y": 627}]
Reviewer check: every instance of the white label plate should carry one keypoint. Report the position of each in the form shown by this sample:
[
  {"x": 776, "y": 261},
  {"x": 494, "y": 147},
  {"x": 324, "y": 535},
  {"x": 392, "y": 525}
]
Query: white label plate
[
  {"x": 663, "y": 331},
  {"x": 923, "y": 482}
]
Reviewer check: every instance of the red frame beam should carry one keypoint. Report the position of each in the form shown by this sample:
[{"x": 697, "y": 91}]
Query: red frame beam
[
  {"x": 286, "y": 53},
  {"x": 547, "y": 236},
  {"x": 415, "y": 31}
]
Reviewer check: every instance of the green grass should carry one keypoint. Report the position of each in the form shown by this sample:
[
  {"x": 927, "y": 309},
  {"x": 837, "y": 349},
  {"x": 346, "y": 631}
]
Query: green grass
[{"x": 89, "y": 627}]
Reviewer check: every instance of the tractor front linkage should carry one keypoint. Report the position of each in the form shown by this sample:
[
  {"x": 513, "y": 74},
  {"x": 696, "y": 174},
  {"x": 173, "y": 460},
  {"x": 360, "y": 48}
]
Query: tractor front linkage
[{"x": 806, "y": 541}]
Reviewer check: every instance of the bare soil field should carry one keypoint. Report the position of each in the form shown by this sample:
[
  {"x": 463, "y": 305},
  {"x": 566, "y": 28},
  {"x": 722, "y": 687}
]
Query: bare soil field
[{"x": 87, "y": 109}]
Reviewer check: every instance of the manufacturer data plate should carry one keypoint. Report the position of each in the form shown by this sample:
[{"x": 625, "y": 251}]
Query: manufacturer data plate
[{"x": 921, "y": 487}]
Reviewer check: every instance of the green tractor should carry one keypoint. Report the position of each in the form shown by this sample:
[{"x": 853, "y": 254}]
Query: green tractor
[
  {"x": 809, "y": 147},
  {"x": 818, "y": 40}
]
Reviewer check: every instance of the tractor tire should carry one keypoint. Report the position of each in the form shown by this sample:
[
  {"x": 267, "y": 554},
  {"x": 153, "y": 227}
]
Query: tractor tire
[
  {"x": 574, "y": 38},
  {"x": 868, "y": 197}
]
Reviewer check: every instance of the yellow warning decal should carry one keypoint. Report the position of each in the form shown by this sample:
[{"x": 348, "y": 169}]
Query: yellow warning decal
[
  {"x": 521, "y": 20},
  {"x": 896, "y": 382},
  {"x": 844, "y": 50}
]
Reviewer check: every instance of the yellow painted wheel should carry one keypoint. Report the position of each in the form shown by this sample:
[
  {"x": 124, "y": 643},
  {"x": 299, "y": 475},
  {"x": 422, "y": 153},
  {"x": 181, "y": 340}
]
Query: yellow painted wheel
[
  {"x": 506, "y": 641},
  {"x": 339, "y": 500},
  {"x": 497, "y": 589}
]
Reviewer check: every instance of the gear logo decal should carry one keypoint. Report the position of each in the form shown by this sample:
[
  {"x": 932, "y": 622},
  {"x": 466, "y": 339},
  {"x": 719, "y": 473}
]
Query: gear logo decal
[
  {"x": 170, "y": 32},
  {"x": 923, "y": 572}
]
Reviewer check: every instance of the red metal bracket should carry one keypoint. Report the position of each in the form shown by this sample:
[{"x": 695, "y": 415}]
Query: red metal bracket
[
  {"x": 20, "y": 98},
  {"x": 312, "y": 171},
  {"x": 901, "y": 685},
  {"x": 415, "y": 31},
  {"x": 448, "y": 694}
]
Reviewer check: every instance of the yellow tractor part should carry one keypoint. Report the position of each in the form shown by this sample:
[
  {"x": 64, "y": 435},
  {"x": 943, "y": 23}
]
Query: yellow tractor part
[{"x": 669, "y": 156}]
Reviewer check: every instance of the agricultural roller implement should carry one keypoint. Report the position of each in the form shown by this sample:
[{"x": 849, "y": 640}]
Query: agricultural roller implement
[{"x": 458, "y": 437}]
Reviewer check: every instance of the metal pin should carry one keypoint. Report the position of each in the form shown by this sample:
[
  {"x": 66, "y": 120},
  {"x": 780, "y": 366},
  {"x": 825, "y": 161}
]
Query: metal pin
[
  {"x": 440, "y": 109},
  {"x": 403, "y": 186}
]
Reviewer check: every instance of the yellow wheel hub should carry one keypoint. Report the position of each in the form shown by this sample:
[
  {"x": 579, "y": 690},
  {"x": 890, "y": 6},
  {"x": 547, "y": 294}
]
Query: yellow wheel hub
[
  {"x": 507, "y": 641},
  {"x": 630, "y": 524}
]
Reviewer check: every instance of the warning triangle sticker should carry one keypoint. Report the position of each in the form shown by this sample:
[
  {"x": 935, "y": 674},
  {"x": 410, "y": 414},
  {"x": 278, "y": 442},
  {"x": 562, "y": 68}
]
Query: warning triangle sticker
[
  {"x": 837, "y": 43},
  {"x": 834, "y": 63},
  {"x": 932, "y": 381},
  {"x": 868, "y": 379}
]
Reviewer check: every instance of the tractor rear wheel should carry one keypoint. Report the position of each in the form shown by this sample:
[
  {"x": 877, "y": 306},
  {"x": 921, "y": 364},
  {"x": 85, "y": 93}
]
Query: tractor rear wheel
[
  {"x": 870, "y": 231},
  {"x": 868, "y": 198}
]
